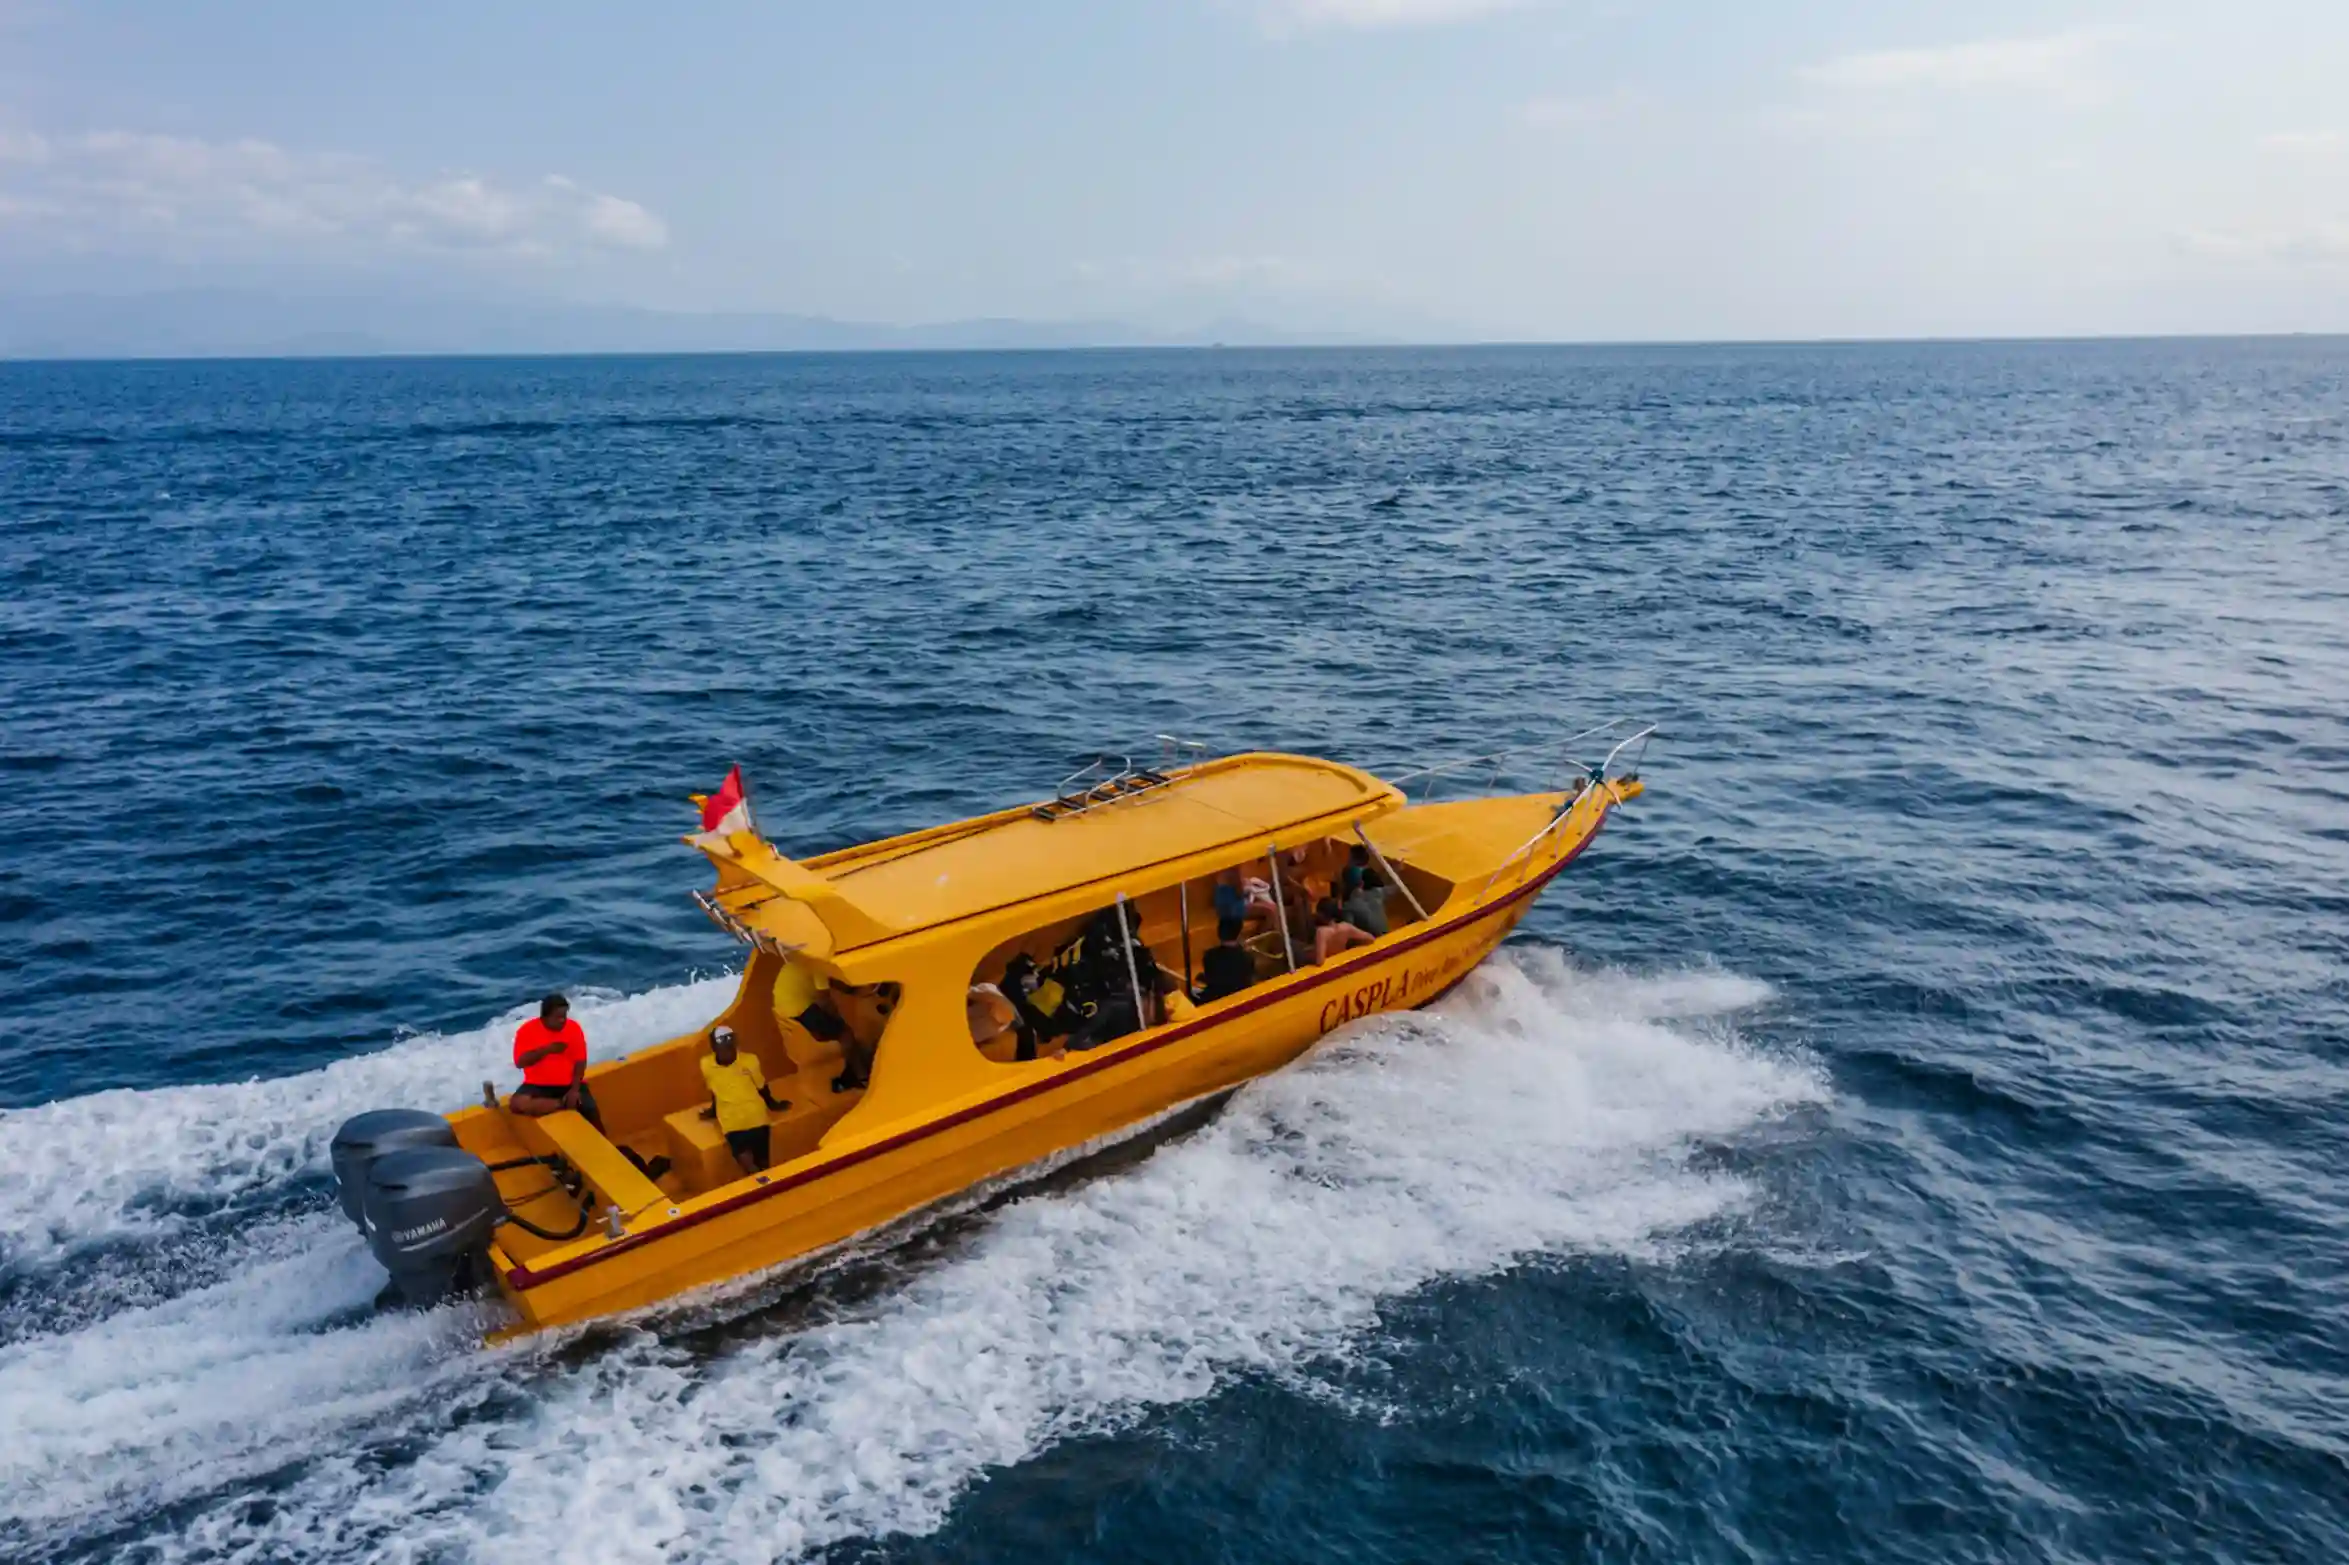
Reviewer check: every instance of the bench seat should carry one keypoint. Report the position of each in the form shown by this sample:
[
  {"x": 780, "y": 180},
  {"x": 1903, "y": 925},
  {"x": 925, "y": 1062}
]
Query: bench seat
[
  {"x": 697, "y": 1147},
  {"x": 619, "y": 1182}
]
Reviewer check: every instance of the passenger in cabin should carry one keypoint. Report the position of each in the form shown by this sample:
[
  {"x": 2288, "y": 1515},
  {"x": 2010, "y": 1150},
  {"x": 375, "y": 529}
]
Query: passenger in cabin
[
  {"x": 1171, "y": 1001},
  {"x": 856, "y": 1055},
  {"x": 1357, "y": 869},
  {"x": 552, "y": 1052},
  {"x": 1298, "y": 907},
  {"x": 816, "y": 1004},
  {"x": 991, "y": 1015},
  {"x": 1042, "y": 1004},
  {"x": 1366, "y": 908},
  {"x": 1299, "y": 873},
  {"x": 1332, "y": 934},
  {"x": 1245, "y": 898},
  {"x": 739, "y": 1100},
  {"x": 1111, "y": 1020},
  {"x": 1228, "y": 967},
  {"x": 805, "y": 997}
]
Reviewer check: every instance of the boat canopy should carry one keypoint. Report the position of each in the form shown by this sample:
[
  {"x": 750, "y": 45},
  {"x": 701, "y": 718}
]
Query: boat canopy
[{"x": 1201, "y": 818}]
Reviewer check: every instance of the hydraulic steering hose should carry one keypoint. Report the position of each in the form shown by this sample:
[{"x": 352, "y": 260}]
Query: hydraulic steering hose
[
  {"x": 527, "y": 1226},
  {"x": 524, "y": 1223}
]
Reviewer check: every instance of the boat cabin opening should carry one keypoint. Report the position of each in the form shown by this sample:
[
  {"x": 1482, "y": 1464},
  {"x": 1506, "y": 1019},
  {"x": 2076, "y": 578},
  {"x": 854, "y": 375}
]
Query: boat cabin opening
[{"x": 1158, "y": 957}]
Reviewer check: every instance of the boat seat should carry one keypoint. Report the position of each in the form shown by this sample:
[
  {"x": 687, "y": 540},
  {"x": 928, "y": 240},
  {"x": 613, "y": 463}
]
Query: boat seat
[
  {"x": 697, "y": 1147},
  {"x": 620, "y": 1182}
]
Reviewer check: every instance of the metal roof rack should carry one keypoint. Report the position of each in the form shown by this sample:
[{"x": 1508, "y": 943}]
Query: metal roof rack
[{"x": 1108, "y": 780}]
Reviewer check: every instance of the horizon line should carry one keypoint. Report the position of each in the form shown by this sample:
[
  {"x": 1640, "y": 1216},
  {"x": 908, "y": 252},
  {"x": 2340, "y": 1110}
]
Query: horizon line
[{"x": 1400, "y": 344}]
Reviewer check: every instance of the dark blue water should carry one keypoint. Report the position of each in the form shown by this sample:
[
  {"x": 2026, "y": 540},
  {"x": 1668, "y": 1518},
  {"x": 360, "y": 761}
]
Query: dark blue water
[{"x": 1919, "y": 1130}]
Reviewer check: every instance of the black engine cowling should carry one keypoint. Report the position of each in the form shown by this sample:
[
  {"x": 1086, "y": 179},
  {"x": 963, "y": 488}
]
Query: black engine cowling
[
  {"x": 428, "y": 1213},
  {"x": 366, "y": 1137}
]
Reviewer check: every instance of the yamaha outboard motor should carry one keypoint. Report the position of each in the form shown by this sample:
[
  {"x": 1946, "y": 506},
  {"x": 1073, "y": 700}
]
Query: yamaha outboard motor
[
  {"x": 428, "y": 1212},
  {"x": 366, "y": 1137}
]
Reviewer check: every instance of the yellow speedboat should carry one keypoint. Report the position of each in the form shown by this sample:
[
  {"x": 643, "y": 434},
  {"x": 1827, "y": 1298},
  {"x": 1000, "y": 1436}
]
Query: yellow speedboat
[{"x": 567, "y": 1221}]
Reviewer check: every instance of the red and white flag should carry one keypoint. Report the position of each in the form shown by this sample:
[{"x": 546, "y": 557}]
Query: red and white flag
[{"x": 725, "y": 812}]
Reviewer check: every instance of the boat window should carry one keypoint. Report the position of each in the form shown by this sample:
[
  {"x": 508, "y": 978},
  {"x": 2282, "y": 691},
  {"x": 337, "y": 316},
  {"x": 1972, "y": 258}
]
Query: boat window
[
  {"x": 828, "y": 1028},
  {"x": 1070, "y": 984},
  {"x": 1327, "y": 870},
  {"x": 1067, "y": 985}
]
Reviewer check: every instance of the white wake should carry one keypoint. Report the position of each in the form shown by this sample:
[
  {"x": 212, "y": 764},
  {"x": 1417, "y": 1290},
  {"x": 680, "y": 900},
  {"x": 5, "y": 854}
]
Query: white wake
[
  {"x": 1541, "y": 1111},
  {"x": 134, "y": 1164}
]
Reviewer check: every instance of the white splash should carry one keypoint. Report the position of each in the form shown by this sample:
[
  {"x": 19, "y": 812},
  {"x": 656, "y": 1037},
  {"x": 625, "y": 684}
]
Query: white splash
[
  {"x": 197, "y": 1393},
  {"x": 1541, "y": 1111},
  {"x": 127, "y": 1163}
]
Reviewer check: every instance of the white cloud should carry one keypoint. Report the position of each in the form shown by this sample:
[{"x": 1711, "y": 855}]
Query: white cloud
[
  {"x": 2321, "y": 142},
  {"x": 621, "y": 222},
  {"x": 1303, "y": 15},
  {"x": 191, "y": 195},
  {"x": 2068, "y": 65},
  {"x": 2320, "y": 245}
]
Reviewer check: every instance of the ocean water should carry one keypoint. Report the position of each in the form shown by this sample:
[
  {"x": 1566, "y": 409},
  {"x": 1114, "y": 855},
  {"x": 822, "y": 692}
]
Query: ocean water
[{"x": 1918, "y": 1130}]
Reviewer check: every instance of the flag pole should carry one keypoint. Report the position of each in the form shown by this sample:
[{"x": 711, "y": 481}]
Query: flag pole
[{"x": 750, "y": 805}]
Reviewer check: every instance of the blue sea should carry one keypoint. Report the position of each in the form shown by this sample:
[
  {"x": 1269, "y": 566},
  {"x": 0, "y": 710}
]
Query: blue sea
[{"x": 1918, "y": 1130}]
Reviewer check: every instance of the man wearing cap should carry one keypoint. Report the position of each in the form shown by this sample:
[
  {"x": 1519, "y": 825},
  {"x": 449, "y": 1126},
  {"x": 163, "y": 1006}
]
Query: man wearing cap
[{"x": 739, "y": 1100}]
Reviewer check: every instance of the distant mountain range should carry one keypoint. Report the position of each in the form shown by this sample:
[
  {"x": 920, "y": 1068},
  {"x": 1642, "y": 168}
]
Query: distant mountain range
[{"x": 233, "y": 323}]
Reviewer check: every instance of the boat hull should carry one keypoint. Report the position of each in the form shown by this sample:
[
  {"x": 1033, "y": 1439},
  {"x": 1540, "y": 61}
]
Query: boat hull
[{"x": 848, "y": 1188}]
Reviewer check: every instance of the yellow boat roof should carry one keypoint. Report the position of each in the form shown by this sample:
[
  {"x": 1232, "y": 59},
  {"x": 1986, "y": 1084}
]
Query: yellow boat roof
[{"x": 1218, "y": 809}]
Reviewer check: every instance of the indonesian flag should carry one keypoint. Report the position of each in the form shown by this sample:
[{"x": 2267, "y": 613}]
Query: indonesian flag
[{"x": 724, "y": 813}]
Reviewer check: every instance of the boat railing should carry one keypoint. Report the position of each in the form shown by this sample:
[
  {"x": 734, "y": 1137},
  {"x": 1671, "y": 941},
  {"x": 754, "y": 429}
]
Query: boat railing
[
  {"x": 1105, "y": 780},
  {"x": 1176, "y": 752},
  {"x": 1494, "y": 763},
  {"x": 1619, "y": 766},
  {"x": 1428, "y": 777},
  {"x": 756, "y": 939}
]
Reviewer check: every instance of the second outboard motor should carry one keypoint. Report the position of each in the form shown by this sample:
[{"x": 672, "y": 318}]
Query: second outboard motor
[
  {"x": 428, "y": 1213},
  {"x": 366, "y": 1137}
]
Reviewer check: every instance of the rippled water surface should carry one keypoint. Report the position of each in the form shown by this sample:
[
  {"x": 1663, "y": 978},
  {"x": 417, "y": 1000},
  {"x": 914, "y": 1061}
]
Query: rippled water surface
[{"x": 1919, "y": 1128}]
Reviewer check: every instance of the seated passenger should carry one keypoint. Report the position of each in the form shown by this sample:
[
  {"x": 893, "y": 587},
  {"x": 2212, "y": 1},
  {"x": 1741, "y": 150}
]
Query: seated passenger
[
  {"x": 552, "y": 1052},
  {"x": 1228, "y": 966},
  {"x": 1299, "y": 878},
  {"x": 1245, "y": 898},
  {"x": 1357, "y": 868},
  {"x": 856, "y": 1055},
  {"x": 805, "y": 997},
  {"x": 1105, "y": 967},
  {"x": 1112, "y": 1019},
  {"x": 1173, "y": 1004},
  {"x": 1298, "y": 909},
  {"x": 739, "y": 1100},
  {"x": 1332, "y": 934},
  {"x": 1042, "y": 1004},
  {"x": 1367, "y": 907},
  {"x": 991, "y": 1015}
]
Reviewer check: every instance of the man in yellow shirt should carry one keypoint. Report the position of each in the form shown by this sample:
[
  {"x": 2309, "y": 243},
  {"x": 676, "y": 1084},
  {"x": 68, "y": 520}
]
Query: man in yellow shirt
[
  {"x": 739, "y": 1100},
  {"x": 810, "y": 1000}
]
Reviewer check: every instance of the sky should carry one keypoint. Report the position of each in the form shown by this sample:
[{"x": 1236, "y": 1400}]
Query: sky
[{"x": 1421, "y": 169}]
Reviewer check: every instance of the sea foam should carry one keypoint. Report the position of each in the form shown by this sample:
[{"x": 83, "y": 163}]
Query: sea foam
[
  {"x": 126, "y": 1164},
  {"x": 1540, "y": 1111}
]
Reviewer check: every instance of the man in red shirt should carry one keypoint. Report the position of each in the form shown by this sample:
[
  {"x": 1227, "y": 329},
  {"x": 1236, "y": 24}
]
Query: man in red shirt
[{"x": 552, "y": 1052}]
